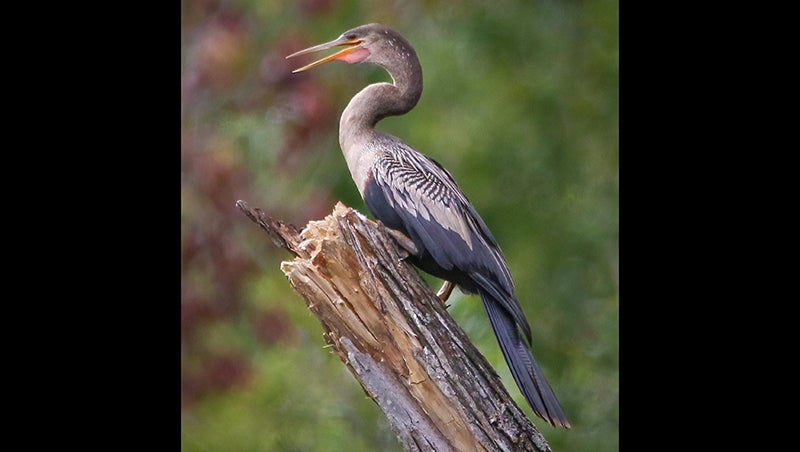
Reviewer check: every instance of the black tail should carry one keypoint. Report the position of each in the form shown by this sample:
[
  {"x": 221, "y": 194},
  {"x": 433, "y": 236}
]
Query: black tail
[{"x": 523, "y": 365}]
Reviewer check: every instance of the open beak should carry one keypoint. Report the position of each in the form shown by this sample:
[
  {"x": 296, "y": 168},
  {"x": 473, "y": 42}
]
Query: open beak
[{"x": 353, "y": 45}]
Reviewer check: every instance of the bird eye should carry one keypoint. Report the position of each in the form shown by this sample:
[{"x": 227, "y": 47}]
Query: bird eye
[{"x": 351, "y": 36}]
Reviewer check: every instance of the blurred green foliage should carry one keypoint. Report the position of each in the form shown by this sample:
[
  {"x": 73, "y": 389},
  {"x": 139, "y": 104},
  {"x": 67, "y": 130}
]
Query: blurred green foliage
[{"x": 520, "y": 104}]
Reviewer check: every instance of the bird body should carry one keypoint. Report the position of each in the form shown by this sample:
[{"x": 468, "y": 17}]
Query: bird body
[{"x": 414, "y": 195}]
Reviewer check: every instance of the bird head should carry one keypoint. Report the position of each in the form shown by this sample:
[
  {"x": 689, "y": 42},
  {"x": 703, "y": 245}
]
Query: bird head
[{"x": 366, "y": 43}]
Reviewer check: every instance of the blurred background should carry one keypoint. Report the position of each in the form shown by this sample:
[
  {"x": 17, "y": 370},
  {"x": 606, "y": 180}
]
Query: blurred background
[{"x": 520, "y": 104}]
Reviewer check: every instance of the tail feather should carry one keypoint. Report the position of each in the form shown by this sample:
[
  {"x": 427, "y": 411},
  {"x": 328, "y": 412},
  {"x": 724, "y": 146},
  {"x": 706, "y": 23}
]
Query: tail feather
[{"x": 523, "y": 365}]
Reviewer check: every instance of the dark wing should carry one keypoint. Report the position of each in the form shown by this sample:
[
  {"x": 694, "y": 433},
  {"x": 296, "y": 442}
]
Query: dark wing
[{"x": 432, "y": 208}]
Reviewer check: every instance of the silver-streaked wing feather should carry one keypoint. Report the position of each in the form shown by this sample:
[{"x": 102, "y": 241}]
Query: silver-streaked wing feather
[{"x": 434, "y": 208}]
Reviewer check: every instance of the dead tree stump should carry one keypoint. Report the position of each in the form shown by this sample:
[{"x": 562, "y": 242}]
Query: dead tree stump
[{"x": 384, "y": 322}]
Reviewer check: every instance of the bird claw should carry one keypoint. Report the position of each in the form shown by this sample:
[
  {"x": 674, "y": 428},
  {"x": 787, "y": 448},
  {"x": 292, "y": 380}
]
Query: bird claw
[
  {"x": 444, "y": 292},
  {"x": 406, "y": 244}
]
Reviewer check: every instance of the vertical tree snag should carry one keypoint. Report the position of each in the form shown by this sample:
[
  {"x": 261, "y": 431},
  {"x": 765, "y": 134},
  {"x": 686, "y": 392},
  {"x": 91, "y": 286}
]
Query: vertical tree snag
[{"x": 384, "y": 322}]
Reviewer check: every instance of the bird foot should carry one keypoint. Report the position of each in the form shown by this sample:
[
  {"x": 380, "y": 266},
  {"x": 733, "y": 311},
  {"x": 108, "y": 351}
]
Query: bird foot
[
  {"x": 444, "y": 293},
  {"x": 404, "y": 241}
]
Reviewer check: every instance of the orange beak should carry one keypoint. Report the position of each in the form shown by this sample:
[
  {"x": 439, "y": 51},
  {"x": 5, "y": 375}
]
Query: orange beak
[{"x": 353, "y": 45}]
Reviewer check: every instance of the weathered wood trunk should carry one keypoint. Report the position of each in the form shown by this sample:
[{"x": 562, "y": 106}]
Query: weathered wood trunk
[{"x": 384, "y": 322}]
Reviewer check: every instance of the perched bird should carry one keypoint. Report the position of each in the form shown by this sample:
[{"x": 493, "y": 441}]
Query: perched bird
[{"x": 415, "y": 196}]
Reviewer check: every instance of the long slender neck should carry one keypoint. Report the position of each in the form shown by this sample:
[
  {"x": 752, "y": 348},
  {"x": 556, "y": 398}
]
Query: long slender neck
[{"x": 380, "y": 100}]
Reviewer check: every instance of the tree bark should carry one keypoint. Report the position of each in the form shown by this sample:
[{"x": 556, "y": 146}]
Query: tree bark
[{"x": 384, "y": 322}]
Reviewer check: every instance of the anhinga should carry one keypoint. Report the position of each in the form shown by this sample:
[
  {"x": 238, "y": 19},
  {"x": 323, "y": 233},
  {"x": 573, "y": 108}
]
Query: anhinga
[{"x": 415, "y": 195}]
